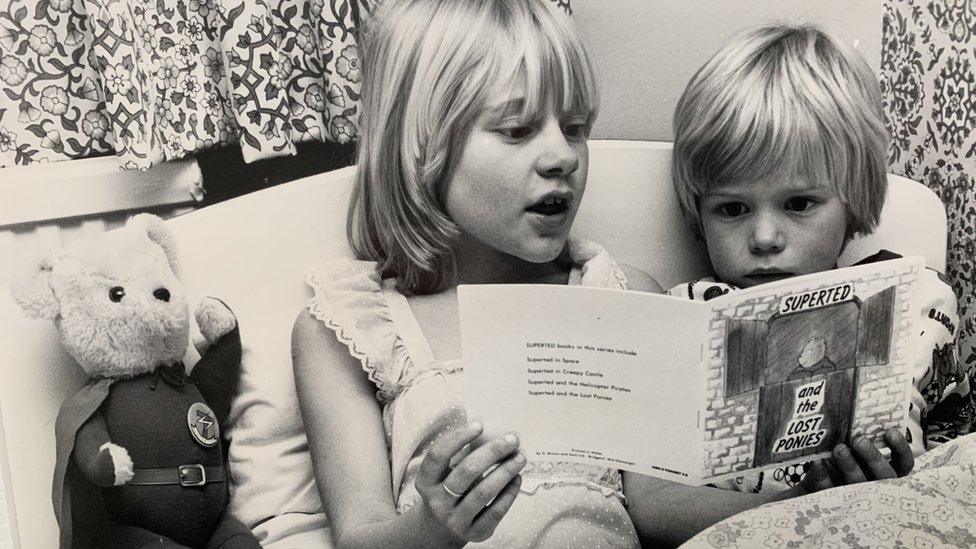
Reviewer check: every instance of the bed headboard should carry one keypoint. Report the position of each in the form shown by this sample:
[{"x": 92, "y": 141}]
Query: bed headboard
[{"x": 252, "y": 251}]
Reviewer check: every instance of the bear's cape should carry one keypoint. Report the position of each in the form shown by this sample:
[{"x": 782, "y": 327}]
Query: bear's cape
[{"x": 73, "y": 414}]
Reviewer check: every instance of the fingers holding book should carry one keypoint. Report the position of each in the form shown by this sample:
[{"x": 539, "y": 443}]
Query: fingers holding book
[
  {"x": 468, "y": 482},
  {"x": 862, "y": 461},
  {"x": 902, "y": 457},
  {"x": 859, "y": 462}
]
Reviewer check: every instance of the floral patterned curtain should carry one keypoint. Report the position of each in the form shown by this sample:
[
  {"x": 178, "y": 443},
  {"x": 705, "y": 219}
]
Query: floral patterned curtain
[
  {"x": 155, "y": 80},
  {"x": 928, "y": 79}
]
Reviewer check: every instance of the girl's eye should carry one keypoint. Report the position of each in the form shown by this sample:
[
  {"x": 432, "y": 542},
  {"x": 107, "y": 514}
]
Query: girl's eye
[
  {"x": 731, "y": 209},
  {"x": 516, "y": 132},
  {"x": 800, "y": 204}
]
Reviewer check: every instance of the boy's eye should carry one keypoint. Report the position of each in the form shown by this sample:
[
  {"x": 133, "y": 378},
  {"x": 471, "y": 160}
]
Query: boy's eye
[
  {"x": 575, "y": 131},
  {"x": 731, "y": 209},
  {"x": 800, "y": 204}
]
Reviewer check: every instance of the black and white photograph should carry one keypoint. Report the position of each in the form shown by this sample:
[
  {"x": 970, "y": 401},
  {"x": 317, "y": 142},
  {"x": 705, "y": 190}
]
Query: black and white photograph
[{"x": 302, "y": 274}]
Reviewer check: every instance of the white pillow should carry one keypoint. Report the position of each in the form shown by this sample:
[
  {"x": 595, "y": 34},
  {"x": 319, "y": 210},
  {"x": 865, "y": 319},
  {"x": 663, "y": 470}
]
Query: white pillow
[{"x": 252, "y": 253}]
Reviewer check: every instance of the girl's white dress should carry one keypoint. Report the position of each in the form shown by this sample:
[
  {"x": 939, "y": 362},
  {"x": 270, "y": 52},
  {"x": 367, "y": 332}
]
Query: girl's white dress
[{"x": 561, "y": 504}]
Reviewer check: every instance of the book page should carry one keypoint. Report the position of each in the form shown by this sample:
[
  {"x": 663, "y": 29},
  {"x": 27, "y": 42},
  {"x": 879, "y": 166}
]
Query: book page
[
  {"x": 807, "y": 363},
  {"x": 597, "y": 376}
]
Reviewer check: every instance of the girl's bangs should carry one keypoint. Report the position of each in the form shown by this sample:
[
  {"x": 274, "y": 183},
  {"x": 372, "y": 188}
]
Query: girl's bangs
[{"x": 547, "y": 59}]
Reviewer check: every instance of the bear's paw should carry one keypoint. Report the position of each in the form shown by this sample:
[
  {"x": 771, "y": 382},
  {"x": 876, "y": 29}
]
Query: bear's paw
[
  {"x": 214, "y": 319},
  {"x": 121, "y": 462}
]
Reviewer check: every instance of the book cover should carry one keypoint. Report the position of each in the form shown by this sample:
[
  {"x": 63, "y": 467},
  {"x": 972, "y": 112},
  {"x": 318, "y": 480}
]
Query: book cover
[{"x": 692, "y": 391}]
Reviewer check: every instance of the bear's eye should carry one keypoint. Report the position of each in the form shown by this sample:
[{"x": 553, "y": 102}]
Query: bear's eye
[
  {"x": 161, "y": 294},
  {"x": 116, "y": 293}
]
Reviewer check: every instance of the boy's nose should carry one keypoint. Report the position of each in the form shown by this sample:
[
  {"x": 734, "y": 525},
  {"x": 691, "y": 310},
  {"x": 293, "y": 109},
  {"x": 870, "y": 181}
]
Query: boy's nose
[
  {"x": 766, "y": 235},
  {"x": 557, "y": 157}
]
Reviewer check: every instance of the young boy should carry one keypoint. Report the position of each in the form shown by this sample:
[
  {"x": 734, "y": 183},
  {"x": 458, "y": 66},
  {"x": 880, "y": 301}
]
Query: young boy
[{"x": 779, "y": 160}]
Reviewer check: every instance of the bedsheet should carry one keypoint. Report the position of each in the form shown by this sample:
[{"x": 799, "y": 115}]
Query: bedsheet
[{"x": 934, "y": 506}]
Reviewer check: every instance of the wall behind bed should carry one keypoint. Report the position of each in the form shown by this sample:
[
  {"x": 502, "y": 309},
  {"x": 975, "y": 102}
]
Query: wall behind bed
[
  {"x": 646, "y": 51},
  {"x": 923, "y": 52}
]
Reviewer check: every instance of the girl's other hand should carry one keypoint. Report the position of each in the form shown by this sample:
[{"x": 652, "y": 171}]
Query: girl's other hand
[
  {"x": 467, "y": 501},
  {"x": 861, "y": 462}
]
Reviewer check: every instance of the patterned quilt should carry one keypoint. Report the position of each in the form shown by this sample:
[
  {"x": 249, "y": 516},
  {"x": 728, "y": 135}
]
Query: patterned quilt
[{"x": 935, "y": 506}]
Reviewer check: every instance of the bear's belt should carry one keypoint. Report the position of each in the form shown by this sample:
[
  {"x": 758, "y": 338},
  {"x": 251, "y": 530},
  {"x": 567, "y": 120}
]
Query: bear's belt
[{"x": 185, "y": 475}]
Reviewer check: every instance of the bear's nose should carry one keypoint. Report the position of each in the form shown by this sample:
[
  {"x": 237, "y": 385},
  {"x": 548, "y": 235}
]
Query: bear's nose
[{"x": 161, "y": 294}]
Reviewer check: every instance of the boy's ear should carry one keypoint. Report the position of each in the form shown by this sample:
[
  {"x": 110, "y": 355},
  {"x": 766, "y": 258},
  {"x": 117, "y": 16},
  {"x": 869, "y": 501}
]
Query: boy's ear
[
  {"x": 157, "y": 231},
  {"x": 33, "y": 292}
]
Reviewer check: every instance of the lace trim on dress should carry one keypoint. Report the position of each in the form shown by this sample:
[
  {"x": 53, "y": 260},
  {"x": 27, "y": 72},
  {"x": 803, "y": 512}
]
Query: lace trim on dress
[
  {"x": 408, "y": 380},
  {"x": 619, "y": 276},
  {"x": 547, "y": 475},
  {"x": 598, "y": 267},
  {"x": 531, "y": 486},
  {"x": 559, "y": 473},
  {"x": 349, "y": 300}
]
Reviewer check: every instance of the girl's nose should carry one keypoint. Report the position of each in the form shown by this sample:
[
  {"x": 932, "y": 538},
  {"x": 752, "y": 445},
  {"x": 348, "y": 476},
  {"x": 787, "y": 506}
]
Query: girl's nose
[
  {"x": 767, "y": 237},
  {"x": 557, "y": 156}
]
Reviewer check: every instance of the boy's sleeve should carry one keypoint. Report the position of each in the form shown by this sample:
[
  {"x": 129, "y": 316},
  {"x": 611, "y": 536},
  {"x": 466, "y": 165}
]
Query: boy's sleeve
[
  {"x": 941, "y": 403},
  {"x": 702, "y": 289}
]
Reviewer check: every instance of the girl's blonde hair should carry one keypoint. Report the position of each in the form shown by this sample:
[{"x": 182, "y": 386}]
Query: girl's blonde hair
[
  {"x": 783, "y": 99},
  {"x": 430, "y": 67}
]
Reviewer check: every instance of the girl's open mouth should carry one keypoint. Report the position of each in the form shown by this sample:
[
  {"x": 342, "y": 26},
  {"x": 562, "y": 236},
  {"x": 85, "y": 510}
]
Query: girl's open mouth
[
  {"x": 551, "y": 213},
  {"x": 550, "y": 205}
]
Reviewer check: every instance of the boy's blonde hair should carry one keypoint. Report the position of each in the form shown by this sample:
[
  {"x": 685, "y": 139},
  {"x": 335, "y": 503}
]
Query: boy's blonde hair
[
  {"x": 430, "y": 67},
  {"x": 783, "y": 99}
]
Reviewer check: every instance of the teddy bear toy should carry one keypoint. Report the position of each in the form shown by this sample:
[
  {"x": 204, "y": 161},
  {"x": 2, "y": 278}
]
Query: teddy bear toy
[{"x": 140, "y": 456}]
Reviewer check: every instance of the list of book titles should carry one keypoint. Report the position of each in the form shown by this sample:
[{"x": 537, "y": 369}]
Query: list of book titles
[{"x": 573, "y": 371}]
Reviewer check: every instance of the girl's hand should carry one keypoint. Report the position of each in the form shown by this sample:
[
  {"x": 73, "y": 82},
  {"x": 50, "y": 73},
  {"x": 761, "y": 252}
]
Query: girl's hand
[
  {"x": 468, "y": 500},
  {"x": 863, "y": 464}
]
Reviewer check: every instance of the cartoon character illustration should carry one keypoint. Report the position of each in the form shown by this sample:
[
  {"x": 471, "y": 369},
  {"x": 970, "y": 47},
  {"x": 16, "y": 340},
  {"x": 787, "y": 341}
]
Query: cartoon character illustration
[
  {"x": 802, "y": 364},
  {"x": 813, "y": 359}
]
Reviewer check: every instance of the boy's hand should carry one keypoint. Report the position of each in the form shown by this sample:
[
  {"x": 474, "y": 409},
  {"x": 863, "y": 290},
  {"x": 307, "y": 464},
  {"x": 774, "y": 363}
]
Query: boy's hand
[{"x": 860, "y": 462}]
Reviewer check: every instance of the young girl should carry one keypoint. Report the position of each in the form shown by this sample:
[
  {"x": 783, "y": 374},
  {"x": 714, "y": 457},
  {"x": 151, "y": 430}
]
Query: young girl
[
  {"x": 779, "y": 160},
  {"x": 472, "y": 165}
]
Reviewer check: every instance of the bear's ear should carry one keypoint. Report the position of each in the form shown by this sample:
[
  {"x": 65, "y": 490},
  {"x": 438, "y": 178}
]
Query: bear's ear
[
  {"x": 34, "y": 294},
  {"x": 157, "y": 231}
]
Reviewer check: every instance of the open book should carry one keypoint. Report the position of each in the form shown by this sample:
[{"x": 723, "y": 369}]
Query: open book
[{"x": 692, "y": 391}]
